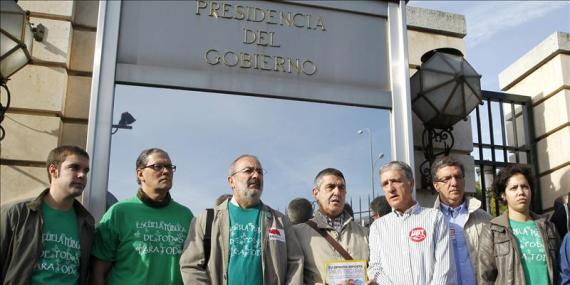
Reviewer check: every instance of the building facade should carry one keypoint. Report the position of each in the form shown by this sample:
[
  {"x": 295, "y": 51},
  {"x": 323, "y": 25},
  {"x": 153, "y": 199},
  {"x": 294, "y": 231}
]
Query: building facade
[
  {"x": 543, "y": 73},
  {"x": 51, "y": 97}
]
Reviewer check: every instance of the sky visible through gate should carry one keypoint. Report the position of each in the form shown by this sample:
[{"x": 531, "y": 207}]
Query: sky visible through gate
[{"x": 204, "y": 132}]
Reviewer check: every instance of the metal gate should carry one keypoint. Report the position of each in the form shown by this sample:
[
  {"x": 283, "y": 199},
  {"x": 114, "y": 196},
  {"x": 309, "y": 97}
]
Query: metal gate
[{"x": 503, "y": 134}]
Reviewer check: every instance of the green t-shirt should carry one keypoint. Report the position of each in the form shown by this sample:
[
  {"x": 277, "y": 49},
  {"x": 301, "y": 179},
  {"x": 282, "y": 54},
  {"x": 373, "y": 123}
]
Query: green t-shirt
[
  {"x": 531, "y": 247},
  {"x": 144, "y": 243},
  {"x": 244, "y": 266},
  {"x": 59, "y": 262}
]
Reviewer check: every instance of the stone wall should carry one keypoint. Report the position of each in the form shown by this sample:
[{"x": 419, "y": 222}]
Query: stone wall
[
  {"x": 50, "y": 96},
  {"x": 544, "y": 74}
]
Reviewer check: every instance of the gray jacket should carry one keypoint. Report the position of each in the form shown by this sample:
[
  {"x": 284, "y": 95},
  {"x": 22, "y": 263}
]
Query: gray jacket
[
  {"x": 317, "y": 250},
  {"x": 500, "y": 256},
  {"x": 473, "y": 227},
  {"x": 21, "y": 229},
  {"x": 281, "y": 261}
]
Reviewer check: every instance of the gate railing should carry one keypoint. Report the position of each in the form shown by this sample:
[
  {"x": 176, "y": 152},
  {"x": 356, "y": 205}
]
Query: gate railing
[{"x": 502, "y": 137}]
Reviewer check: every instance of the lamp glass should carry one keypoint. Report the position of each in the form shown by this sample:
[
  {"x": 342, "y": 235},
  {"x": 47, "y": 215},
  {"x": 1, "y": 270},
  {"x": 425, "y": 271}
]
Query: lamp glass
[
  {"x": 11, "y": 25},
  {"x": 431, "y": 79},
  {"x": 424, "y": 110},
  {"x": 13, "y": 63},
  {"x": 468, "y": 70},
  {"x": 450, "y": 89},
  {"x": 456, "y": 105},
  {"x": 438, "y": 97},
  {"x": 6, "y": 44},
  {"x": 15, "y": 33},
  {"x": 455, "y": 62},
  {"x": 472, "y": 99}
]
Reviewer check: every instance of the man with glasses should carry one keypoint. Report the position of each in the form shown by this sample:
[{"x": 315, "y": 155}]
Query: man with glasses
[
  {"x": 463, "y": 214},
  {"x": 140, "y": 240},
  {"x": 250, "y": 243}
]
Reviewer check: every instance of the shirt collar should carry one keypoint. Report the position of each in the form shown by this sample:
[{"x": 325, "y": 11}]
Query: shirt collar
[
  {"x": 447, "y": 210},
  {"x": 234, "y": 202},
  {"x": 335, "y": 223},
  {"x": 412, "y": 210}
]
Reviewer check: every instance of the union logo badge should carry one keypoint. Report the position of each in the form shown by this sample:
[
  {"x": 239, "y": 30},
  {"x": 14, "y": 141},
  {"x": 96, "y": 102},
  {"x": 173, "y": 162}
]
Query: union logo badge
[{"x": 417, "y": 234}]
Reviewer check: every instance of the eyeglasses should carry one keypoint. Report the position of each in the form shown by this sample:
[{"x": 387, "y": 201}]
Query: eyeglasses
[
  {"x": 250, "y": 170},
  {"x": 160, "y": 167},
  {"x": 447, "y": 179}
]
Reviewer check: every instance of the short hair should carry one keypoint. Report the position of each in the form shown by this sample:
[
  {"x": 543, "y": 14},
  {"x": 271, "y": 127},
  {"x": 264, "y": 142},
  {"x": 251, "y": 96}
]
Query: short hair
[
  {"x": 58, "y": 155},
  {"x": 444, "y": 162},
  {"x": 327, "y": 171},
  {"x": 233, "y": 165},
  {"x": 380, "y": 206},
  {"x": 142, "y": 160},
  {"x": 222, "y": 198},
  {"x": 299, "y": 210},
  {"x": 500, "y": 182},
  {"x": 398, "y": 165}
]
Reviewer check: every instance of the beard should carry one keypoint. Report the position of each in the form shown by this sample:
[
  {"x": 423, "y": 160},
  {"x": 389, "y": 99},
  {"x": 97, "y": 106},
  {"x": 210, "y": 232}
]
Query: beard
[{"x": 250, "y": 197}]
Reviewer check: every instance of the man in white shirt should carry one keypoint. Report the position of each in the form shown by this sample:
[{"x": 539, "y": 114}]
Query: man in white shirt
[{"x": 411, "y": 244}]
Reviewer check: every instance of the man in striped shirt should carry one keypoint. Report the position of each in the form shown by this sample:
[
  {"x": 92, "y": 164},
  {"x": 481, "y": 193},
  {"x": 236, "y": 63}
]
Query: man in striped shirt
[{"x": 411, "y": 244}]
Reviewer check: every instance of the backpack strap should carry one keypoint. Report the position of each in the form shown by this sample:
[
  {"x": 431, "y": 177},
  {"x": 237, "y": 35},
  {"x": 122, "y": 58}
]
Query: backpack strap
[
  {"x": 330, "y": 239},
  {"x": 208, "y": 235}
]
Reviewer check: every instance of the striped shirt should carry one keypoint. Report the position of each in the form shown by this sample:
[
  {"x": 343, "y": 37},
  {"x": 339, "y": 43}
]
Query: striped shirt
[{"x": 411, "y": 248}]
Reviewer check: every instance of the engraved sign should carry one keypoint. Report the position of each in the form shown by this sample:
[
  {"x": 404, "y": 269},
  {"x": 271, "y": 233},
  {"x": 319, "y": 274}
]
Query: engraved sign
[{"x": 310, "y": 50}]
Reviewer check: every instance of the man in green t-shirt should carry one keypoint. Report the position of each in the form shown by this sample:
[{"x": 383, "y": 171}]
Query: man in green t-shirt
[
  {"x": 250, "y": 243},
  {"x": 140, "y": 240},
  {"x": 47, "y": 240}
]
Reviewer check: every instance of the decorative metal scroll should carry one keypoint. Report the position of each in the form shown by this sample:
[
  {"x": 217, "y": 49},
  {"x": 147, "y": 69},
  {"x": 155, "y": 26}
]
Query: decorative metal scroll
[{"x": 429, "y": 137}]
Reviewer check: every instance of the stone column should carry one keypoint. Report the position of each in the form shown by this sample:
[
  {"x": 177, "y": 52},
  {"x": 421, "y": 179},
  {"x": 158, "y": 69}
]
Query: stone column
[
  {"x": 544, "y": 74},
  {"x": 428, "y": 30}
]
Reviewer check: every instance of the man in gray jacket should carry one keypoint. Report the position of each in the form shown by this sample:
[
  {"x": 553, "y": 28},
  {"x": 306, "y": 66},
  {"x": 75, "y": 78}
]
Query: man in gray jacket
[
  {"x": 463, "y": 214},
  {"x": 47, "y": 240},
  {"x": 330, "y": 219},
  {"x": 250, "y": 243}
]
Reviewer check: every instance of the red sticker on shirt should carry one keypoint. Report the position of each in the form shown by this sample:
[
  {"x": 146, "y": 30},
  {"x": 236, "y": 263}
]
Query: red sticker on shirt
[{"x": 417, "y": 234}]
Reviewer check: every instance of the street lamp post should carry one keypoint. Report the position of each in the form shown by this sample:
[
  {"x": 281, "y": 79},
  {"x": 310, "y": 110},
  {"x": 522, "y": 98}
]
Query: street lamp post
[{"x": 360, "y": 132}]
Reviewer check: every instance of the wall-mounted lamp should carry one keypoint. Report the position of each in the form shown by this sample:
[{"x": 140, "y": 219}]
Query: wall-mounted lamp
[
  {"x": 124, "y": 123},
  {"x": 444, "y": 90},
  {"x": 16, "y": 38}
]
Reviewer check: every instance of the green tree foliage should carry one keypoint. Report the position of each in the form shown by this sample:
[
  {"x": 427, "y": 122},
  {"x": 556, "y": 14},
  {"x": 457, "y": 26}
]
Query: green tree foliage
[{"x": 492, "y": 204}]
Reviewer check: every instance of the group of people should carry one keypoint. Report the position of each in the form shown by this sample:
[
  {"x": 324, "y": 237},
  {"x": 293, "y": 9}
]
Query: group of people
[{"x": 151, "y": 239}]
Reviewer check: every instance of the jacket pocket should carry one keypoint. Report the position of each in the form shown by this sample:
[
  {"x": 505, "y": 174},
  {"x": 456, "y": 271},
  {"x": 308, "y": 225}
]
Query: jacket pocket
[
  {"x": 502, "y": 244},
  {"x": 502, "y": 249}
]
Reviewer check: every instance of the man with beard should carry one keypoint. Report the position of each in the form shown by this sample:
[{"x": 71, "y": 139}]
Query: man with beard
[
  {"x": 140, "y": 240},
  {"x": 47, "y": 240},
  {"x": 331, "y": 220},
  {"x": 250, "y": 243},
  {"x": 410, "y": 245}
]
